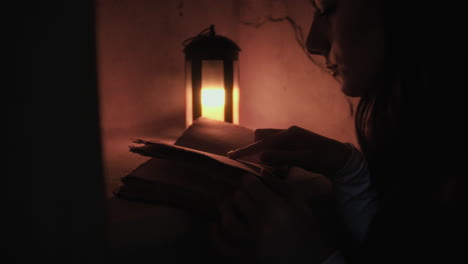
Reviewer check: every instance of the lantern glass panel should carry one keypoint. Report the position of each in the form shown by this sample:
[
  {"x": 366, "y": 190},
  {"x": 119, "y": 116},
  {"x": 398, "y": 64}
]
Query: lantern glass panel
[
  {"x": 213, "y": 91},
  {"x": 235, "y": 93},
  {"x": 188, "y": 93}
]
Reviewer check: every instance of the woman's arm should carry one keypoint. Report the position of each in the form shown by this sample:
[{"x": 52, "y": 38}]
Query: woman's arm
[
  {"x": 356, "y": 197},
  {"x": 343, "y": 163}
]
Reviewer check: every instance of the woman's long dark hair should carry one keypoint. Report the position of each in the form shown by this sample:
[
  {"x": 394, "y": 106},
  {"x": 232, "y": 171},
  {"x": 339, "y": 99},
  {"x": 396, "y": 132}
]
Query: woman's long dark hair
[
  {"x": 409, "y": 126},
  {"x": 416, "y": 101},
  {"x": 378, "y": 112}
]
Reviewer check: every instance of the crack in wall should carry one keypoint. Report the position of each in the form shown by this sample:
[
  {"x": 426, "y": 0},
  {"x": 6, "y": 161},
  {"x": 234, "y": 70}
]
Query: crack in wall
[
  {"x": 298, "y": 34},
  {"x": 300, "y": 39},
  {"x": 180, "y": 8}
]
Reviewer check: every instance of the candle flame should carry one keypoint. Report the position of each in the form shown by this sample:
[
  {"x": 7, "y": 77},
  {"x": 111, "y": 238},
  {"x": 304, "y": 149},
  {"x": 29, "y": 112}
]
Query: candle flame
[{"x": 213, "y": 101}]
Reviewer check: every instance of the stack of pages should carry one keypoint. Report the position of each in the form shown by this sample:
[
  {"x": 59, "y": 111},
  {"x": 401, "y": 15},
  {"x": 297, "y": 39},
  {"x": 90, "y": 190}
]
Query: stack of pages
[{"x": 193, "y": 173}]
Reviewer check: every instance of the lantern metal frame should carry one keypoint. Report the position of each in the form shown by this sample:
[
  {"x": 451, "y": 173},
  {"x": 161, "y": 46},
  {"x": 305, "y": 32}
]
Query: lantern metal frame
[{"x": 209, "y": 46}]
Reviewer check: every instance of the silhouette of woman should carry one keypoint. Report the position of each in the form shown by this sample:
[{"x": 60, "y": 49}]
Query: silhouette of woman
[{"x": 398, "y": 194}]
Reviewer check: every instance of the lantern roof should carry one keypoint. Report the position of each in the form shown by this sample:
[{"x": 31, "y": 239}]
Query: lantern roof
[{"x": 209, "y": 46}]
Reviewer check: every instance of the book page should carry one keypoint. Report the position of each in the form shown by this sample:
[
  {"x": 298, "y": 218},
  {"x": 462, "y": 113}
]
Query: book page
[
  {"x": 166, "y": 151},
  {"x": 215, "y": 137}
]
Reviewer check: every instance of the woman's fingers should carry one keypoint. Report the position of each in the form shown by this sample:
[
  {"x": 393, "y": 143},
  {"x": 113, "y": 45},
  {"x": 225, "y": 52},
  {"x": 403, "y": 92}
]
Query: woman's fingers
[
  {"x": 282, "y": 157},
  {"x": 295, "y": 146},
  {"x": 306, "y": 159},
  {"x": 248, "y": 150},
  {"x": 262, "y": 133},
  {"x": 281, "y": 138}
]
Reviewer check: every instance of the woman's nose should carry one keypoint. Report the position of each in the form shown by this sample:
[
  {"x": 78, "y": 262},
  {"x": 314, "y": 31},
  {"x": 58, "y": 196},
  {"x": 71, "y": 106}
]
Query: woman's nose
[{"x": 317, "y": 41}]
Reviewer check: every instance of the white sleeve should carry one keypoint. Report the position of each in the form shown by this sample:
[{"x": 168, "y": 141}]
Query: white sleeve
[{"x": 357, "y": 201}]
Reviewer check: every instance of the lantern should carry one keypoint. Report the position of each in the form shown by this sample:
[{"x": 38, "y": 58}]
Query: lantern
[{"x": 212, "y": 77}]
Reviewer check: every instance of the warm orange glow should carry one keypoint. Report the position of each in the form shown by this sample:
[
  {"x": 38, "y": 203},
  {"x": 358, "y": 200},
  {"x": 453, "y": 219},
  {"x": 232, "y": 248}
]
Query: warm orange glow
[
  {"x": 212, "y": 94},
  {"x": 235, "y": 105},
  {"x": 188, "y": 94},
  {"x": 213, "y": 101},
  {"x": 235, "y": 96}
]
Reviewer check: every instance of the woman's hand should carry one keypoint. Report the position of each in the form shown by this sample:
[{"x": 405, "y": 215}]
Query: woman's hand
[
  {"x": 298, "y": 147},
  {"x": 265, "y": 223}
]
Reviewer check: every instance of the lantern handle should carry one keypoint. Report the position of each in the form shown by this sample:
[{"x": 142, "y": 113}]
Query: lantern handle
[
  {"x": 207, "y": 31},
  {"x": 212, "y": 31}
]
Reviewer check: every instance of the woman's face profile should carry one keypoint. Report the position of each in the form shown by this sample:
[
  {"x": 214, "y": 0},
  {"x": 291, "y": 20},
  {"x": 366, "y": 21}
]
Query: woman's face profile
[{"x": 349, "y": 33}]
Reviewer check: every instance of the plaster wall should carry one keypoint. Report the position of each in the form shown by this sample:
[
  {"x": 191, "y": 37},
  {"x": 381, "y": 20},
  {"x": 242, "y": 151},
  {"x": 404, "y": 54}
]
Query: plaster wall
[{"x": 141, "y": 68}]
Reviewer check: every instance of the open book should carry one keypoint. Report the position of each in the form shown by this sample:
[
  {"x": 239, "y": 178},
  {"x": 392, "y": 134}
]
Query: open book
[
  {"x": 194, "y": 173},
  {"x": 165, "y": 151}
]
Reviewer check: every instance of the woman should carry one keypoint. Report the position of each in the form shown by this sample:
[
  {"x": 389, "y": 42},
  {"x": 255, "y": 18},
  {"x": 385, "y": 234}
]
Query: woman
[{"x": 398, "y": 197}]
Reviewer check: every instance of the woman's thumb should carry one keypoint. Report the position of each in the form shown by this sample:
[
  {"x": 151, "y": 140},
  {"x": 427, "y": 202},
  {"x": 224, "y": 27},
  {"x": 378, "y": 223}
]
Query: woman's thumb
[
  {"x": 280, "y": 157},
  {"x": 263, "y": 133}
]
